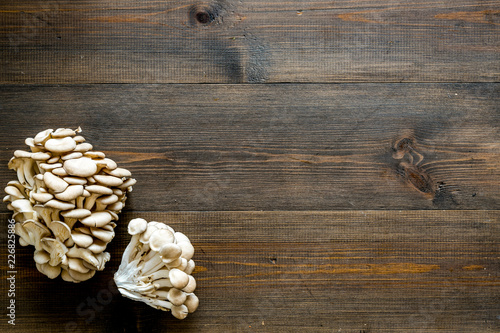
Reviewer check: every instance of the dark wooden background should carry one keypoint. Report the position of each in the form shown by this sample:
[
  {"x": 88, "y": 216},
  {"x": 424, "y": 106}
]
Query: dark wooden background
[{"x": 270, "y": 133}]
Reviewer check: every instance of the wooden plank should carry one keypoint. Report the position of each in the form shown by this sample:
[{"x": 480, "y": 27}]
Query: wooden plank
[
  {"x": 321, "y": 271},
  {"x": 231, "y": 41},
  {"x": 279, "y": 147}
]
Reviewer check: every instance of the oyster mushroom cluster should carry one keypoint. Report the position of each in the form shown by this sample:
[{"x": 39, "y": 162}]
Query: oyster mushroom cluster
[
  {"x": 65, "y": 201},
  {"x": 156, "y": 268}
]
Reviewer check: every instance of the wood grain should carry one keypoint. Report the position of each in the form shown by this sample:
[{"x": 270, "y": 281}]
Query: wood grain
[
  {"x": 229, "y": 41},
  {"x": 279, "y": 147},
  {"x": 355, "y": 191},
  {"x": 321, "y": 271}
]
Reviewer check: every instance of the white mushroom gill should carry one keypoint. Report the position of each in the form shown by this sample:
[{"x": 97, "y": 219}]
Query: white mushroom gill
[
  {"x": 65, "y": 202},
  {"x": 156, "y": 271}
]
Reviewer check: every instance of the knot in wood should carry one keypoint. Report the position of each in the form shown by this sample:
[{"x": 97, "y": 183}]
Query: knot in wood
[{"x": 204, "y": 13}]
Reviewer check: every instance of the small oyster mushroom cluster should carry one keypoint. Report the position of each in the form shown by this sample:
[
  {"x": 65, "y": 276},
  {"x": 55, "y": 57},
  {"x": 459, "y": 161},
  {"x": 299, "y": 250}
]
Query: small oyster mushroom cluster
[
  {"x": 65, "y": 201},
  {"x": 156, "y": 268}
]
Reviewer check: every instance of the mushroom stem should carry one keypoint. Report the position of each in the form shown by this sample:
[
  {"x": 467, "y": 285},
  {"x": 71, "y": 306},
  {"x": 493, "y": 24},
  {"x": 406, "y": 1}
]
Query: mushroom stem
[
  {"x": 70, "y": 222},
  {"x": 152, "y": 265},
  {"x": 131, "y": 248},
  {"x": 159, "y": 274},
  {"x": 80, "y": 202},
  {"x": 160, "y": 304},
  {"x": 162, "y": 283},
  {"x": 29, "y": 173},
  {"x": 150, "y": 255},
  {"x": 90, "y": 201}
]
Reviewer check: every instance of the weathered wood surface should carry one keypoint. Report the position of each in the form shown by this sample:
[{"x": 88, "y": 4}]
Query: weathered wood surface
[
  {"x": 249, "y": 41},
  {"x": 366, "y": 206},
  {"x": 335, "y": 271},
  {"x": 279, "y": 147}
]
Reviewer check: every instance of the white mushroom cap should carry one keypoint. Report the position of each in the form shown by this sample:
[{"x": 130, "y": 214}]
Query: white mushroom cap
[
  {"x": 50, "y": 166},
  {"x": 40, "y": 156},
  {"x": 114, "y": 216},
  {"x": 137, "y": 226},
  {"x": 51, "y": 271},
  {"x": 170, "y": 251},
  {"x": 119, "y": 172},
  {"x": 179, "y": 312},
  {"x": 159, "y": 238},
  {"x": 22, "y": 154},
  {"x": 180, "y": 237},
  {"x": 70, "y": 193},
  {"x": 83, "y": 147},
  {"x": 191, "y": 286},
  {"x": 63, "y": 132},
  {"x": 98, "y": 219},
  {"x": 99, "y": 189},
  {"x": 77, "y": 265},
  {"x": 61, "y": 230},
  {"x": 22, "y": 206},
  {"x": 126, "y": 184},
  {"x": 42, "y": 136},
  {"x": 108, "y": 180},
  {"x": 80, "y": 167},
  {"x": 66, "y": 277},
  {"x": 187, "y": 250},
  {"x": 178, "y": 278},
  {"x": 85, "y": 254},
  {"x": 97, "y": 246},
  {"x": 78, "y": 213},
  {"x": 81, "y": 239},
  {"x": 104, "y": 201},
  {"x": 30, "y": 142},
  {"x": 77, "y": 276},
  {"x": 173, "y": 263},
  {"x": 59, "y": 172},
  {"x": 106, "y": 233},
  {"x": 117, "y": 206},
  {"x": 183, "y": 265},
  {"x": 75, "y": 180},
  {"x": 59, "y": 146},
  {"x": 61, "y": 205},
  {"x": 54, "y": 183},
  {"x": 190, "y": 267},
  {"x": 108, "y": 199},
  {"x": 54, "y": 159},
  {"x": 14, "y": 191},
  {"x": 84, "y": 230},
  {"x": 192, "y": 302},
  {"x": 41, "y": 257},
  {"x": 41, "y": 197},
  {"x": 95, "y": 154},
  {"x": 176, "y": 296},
  {"x": 79, "y": 139},
  {"x": 107, "y": 163},
  {"x": 146, "y": 235}
]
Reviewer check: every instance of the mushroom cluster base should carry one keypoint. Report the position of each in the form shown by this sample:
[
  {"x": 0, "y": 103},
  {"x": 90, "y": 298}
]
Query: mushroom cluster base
[{"x": 156, "y": 268}]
